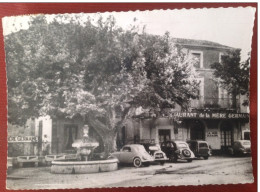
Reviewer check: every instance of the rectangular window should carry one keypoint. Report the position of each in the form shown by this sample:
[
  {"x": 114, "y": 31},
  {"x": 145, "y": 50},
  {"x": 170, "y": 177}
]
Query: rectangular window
[
  {"x": 197, "y": 58},
  {"x": 221, "y": 55}
]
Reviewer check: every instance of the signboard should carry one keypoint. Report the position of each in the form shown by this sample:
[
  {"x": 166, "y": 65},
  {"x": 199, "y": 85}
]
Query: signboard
[
  {"x": 212, "y": 134},
  {"x": 211, "y": 115},
  {"x": 22, "y": 139}
]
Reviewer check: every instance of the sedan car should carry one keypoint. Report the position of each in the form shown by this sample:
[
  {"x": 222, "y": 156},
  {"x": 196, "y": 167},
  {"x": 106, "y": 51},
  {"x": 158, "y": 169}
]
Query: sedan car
[
  {"x": 200, "y": 148},
  {"x": 133, "y": 154},
  {"x": 155, "y": 151},
  {"x": 177, "y": 150},
  {"x": 241, "y": 147}
]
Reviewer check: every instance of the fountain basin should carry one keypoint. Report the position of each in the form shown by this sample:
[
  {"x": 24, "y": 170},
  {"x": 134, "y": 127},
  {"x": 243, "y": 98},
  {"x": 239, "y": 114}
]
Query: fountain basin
[{"x": 77, "y": 167}]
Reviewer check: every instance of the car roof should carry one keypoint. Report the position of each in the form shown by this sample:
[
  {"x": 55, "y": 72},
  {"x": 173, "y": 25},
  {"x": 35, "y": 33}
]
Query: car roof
[
  {"x": 175, "y": 141},
  {"x": 199, "y": 141},
  {"x": 180, "y": 141},
  {"x": 133, "y": 145}
]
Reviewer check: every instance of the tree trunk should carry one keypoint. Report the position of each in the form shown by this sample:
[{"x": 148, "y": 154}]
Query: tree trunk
[
  {"x": 109, "y": 141},
  {"x": 108, "y": 133}
]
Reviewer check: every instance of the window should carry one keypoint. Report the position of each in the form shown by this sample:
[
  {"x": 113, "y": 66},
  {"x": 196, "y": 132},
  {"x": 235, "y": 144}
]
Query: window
[
  {"x": 222, "y": 93},
  {"x": 126, "y": 149},
  {"x": 203, "y": 145},
  {"x": 246, "y": 135},
  {"x": 221, "y": 55},
  {"x": 197, "y": 58}
]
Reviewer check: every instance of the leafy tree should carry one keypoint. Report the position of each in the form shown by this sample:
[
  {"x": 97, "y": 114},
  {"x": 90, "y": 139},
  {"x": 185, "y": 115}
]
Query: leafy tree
[
  {"x": 233, "y": 74},
  {"x": 100, "y": 71},
  {"x": 170, "y": 73}
]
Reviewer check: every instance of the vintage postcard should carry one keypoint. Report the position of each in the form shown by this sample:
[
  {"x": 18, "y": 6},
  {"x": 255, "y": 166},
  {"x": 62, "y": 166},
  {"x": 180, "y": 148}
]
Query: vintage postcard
[{"x": 127, "y": 99}]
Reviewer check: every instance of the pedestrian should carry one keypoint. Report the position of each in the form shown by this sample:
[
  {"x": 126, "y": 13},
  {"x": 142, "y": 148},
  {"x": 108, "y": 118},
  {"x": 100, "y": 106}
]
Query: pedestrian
[{"x": 45, "y": 146}]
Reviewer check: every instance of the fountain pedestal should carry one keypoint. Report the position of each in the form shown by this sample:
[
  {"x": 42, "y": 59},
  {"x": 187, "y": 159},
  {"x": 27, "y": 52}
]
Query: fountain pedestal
[{"x": 84, "y": 148}]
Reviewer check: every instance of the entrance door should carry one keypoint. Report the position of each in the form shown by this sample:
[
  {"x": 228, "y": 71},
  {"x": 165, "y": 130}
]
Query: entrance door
[
  {"x": 164, "y": 135},
  {"x": 197, "y": 131},
  {"x": 226, "y": 136}
]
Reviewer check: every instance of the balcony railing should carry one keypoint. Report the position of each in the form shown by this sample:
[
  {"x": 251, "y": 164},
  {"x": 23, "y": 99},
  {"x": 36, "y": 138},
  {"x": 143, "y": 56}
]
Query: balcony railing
[{"x": 217, "y": 103}]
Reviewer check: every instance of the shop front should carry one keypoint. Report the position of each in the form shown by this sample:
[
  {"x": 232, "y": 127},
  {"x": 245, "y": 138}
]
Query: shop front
[{"x": 220, "y": 130}]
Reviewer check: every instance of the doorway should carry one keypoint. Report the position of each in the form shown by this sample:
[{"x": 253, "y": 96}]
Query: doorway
[
  {"x": 197, "y": 130},
  {"x": 226, "y": 135},
  {"x": 164, "y": 135},
  {"x": 70, "y": 134}
]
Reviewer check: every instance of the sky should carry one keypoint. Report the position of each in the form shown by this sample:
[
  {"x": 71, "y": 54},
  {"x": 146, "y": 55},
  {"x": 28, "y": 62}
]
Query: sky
[{"x": 228, "y": 26}]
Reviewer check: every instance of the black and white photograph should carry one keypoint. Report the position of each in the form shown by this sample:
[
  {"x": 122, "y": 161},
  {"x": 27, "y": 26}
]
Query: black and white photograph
[{"x": 129, "y": 99}]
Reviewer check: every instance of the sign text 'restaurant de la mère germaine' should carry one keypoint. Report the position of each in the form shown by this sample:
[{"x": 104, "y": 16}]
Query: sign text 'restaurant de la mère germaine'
[{"x": 211, "y": 115}]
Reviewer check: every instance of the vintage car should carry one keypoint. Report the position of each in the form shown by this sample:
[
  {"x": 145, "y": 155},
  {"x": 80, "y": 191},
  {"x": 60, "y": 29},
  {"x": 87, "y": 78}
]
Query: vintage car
[
  {"x": 135, "y": 154},
  {"x": 177, "y": 150},
  {"x": 154, "y": 150},
  {"x": 200, "y": 148},
  {"x": 240, "y": 147}
]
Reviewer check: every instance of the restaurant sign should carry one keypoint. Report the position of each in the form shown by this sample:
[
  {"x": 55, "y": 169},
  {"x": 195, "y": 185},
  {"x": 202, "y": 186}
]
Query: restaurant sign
[
  {"x": 22, "y": 139},
  {"x": 210, "y": 115}
]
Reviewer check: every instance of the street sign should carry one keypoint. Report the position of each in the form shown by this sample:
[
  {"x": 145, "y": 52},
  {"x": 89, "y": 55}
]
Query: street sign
[{"x": 22, "y": 139}]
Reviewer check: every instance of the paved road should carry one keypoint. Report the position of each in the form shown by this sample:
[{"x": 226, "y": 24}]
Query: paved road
[{"x": 216, "y": 170}]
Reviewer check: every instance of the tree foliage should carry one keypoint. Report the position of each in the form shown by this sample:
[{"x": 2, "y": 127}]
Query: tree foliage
[
  {"x": 233, "y": 74},
  {"x": 99, "y": 71}
]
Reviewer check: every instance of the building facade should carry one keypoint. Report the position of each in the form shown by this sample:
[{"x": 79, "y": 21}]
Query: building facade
[{"x": 215, "y": 116}]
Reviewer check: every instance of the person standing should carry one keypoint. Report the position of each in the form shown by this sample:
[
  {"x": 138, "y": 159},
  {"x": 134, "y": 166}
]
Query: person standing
[{"x": 45, "y": 146}]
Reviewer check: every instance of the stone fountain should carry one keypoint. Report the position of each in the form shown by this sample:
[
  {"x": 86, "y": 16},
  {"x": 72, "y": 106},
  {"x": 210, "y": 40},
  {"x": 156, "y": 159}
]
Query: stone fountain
[
  {"x": 84, "y": 164},
  {"x": 85, "y": 146}
]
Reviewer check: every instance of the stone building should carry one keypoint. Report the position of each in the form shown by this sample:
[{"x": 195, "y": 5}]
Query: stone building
[{"x": 215, "y": 117}]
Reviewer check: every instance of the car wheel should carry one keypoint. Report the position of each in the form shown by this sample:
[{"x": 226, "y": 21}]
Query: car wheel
[
  {"x": 137, "y": 162},
  {"x": 189, "y": 160},
  {"x": 162, "y": 162},
  {"x": 206, "y": 157},
  {"x": 186, "y": 153}
]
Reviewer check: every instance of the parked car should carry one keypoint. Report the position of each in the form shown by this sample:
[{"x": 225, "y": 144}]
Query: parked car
[
  {"x": 241, "y": 147},
  {"x": 135, "y": 154},
  {"x": 154, "y": 150},
  {"x": 200, "y": 148},
  {"x": 175, "y": 150}
]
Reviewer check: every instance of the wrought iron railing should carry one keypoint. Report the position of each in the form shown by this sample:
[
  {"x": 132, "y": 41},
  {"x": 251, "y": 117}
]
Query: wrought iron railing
[{"x": 218, "y": 103}]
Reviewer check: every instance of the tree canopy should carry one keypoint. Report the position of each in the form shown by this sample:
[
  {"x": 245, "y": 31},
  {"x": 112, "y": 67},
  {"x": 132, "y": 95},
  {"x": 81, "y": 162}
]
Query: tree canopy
[
  {"x": 233, "y": 74},
  {"x": 99, "y": 71}
]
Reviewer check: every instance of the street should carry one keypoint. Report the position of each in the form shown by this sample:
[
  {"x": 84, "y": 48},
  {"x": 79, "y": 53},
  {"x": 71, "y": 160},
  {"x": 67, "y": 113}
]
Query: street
[{"x": 215, "y": 170}]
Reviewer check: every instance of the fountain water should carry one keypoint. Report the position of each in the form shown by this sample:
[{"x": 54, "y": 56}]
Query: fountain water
[{"x": 83, "y": 164}]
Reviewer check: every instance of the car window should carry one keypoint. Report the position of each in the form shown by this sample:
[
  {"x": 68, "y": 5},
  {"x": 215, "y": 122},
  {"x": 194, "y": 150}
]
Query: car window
[
  {"x": 203, "y": 145},
  {"x": 170, "y": 144},
  {"x": 126, "y": 149}
]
